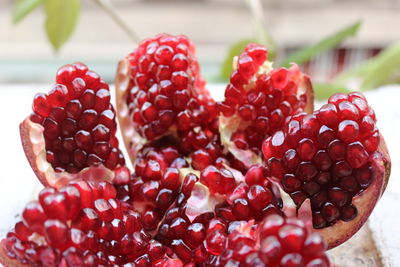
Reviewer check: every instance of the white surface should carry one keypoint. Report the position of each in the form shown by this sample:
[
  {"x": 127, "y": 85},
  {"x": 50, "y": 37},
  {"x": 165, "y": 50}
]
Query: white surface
[{"x": 18, "y": 183}]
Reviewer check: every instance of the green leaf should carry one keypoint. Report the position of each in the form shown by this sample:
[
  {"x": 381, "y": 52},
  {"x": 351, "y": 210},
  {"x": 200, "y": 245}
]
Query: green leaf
[
  {"x": 62, "y": 16},
  {"x": 234, "y": 50},
  {"x": 379, "y": 70},
  {"x": 325, "y": 90},
  {"x": 325, "y": 44},
  {"x": 23, "y": 8}
]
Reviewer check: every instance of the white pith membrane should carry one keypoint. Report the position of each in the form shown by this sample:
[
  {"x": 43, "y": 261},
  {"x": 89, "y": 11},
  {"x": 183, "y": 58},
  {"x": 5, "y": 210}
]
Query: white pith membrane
[
  {"x": 201, "y": 199},
  {"x": 229, "y": 125},
  {"x": 33, "y": 143}
]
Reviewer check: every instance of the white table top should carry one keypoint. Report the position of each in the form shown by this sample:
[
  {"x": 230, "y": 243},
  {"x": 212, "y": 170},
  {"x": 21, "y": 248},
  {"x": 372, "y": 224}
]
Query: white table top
[{"x": 18, "y": 183}]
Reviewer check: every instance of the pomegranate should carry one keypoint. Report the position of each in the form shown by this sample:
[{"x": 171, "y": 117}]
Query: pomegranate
[
  {"x": 333, "y": 163},
  {"x": 160, "y": 92},
  {"x": 71, "y": 131},
  {"x": 214, "y": 184},
  {"x": 81, "y": 224},
  {"x": 258, "y": 101}
]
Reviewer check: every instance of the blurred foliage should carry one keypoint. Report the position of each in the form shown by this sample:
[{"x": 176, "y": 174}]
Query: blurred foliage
[
  {"x": 23, "y": 8},
  {"x": 380, "y": 70},
  {"x": 326, "y": 44},
  {"x": 62, "y": 17}
]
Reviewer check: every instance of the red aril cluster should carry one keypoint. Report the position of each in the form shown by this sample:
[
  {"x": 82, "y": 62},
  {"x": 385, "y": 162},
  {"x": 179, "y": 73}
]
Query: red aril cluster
[
  {"x": 259, "y": 99},
  {"x": 166, "y": 93},
  {"x": 209, "y": 206},
  {"x": 276, "y": 241},
  {"x": 81, "y": 224},
  {"x": 155, "y": 183},
  {"x": 78, "y": 121},
  {"x": 326, "y": 157}
]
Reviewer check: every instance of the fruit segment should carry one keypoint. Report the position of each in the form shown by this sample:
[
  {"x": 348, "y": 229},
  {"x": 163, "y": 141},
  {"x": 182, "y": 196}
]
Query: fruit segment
[
  {"x": 81, "y": 224},
  {"x": 258, "y": 101},
  {"x": 335, "y": 158},
  {"x": 72, "y": 129},
  {"x": 160, "y": 92}
]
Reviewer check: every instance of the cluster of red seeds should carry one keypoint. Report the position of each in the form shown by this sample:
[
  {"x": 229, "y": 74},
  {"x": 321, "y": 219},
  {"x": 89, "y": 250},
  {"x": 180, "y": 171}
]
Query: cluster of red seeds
[
  {"x": 198, "y": 239},
  {"x": 155, "y": 183},
  {"x": 325, "y": 156},
  {"x": 82, "y": 224},
  {"x": 262, "y": 101},
  {"x": 78, "y": 120},
  {"x": 168, "y": 91},
  {"x": 275, "y": 242}
]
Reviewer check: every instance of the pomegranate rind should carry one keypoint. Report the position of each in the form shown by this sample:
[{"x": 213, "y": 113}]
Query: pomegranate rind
[
  {"x": 229, "y": 125},
  {"x": 364, "y": 202},
  {"x": 132, "y": 140},
  {"x": 33, "y": 143},
  {"x": 7, "y": 261}
]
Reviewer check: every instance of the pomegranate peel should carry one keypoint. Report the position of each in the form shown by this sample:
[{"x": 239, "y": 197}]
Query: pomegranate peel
[
  {"x": 7, "y": 261},
  {"x": 132, "y": 140}
]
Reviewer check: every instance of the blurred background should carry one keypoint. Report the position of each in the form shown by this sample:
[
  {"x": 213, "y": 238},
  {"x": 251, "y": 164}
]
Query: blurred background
[
  {"x": 26, "y": 56},
  {"x": 343, "y": 44}
]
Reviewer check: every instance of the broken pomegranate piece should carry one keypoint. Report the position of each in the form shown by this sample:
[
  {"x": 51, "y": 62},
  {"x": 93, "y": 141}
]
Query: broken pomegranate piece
[
  {"x": 336, "y": 159},
  {"x": 160, "y": 92},
  {"x": 258, "y": 101},
  {"x": 72, "y": 130},
  {"x": 81, "y": 224}
]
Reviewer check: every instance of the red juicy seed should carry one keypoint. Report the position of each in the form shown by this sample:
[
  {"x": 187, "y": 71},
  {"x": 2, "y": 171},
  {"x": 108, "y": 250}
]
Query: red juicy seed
[
  {"x": 56, "y": 233},
  {"x": 328, "y": 114},
  {"x": 347, "y": 111},
  {"x": 34, "y": 216},
  {"x": 215, "y": 242},
  {"x": 56, "y": 206},
  {"x": 102, "y": 100},
  {"x": 255, "y": 175},
  {"x": 40, "y": 105},
  {"x": 58, "y": 95},
  {"x": 348, "y": 130}
]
